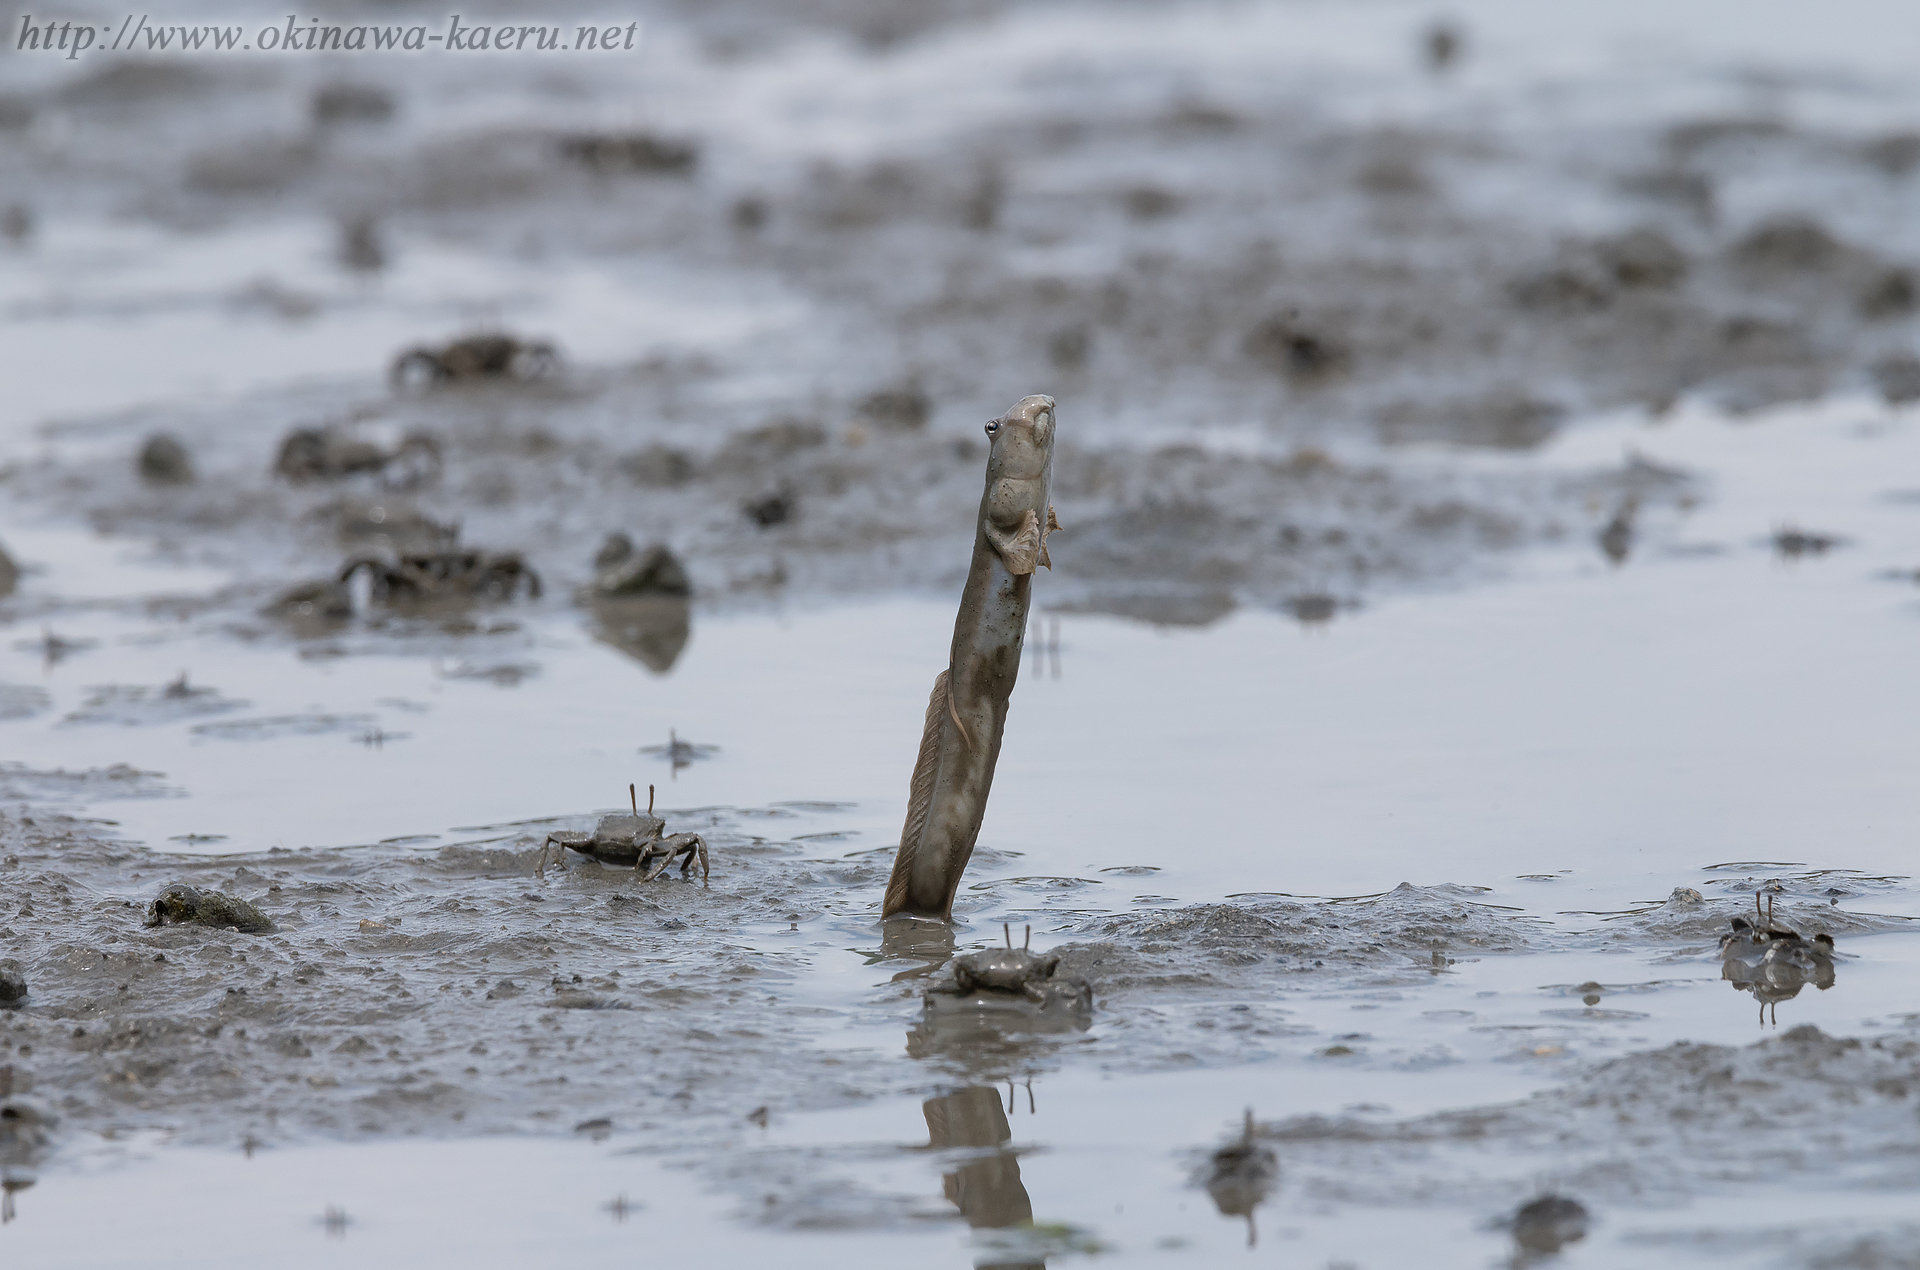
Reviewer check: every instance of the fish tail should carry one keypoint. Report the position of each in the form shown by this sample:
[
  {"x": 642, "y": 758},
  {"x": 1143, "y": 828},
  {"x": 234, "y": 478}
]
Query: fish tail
[{"x": 919, "y": 799}]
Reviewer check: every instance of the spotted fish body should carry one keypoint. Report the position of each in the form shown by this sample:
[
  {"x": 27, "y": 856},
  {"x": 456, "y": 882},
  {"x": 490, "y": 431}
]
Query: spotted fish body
[{"x": 968, "y": 709}]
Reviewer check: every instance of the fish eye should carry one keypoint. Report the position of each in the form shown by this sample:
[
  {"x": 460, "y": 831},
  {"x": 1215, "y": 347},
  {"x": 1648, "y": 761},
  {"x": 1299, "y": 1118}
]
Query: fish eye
[{"x": 993, "y": 426}]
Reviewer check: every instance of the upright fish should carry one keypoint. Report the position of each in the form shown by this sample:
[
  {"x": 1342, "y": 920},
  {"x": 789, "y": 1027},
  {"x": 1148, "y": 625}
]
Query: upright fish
[{"x": 968, "y": 710}]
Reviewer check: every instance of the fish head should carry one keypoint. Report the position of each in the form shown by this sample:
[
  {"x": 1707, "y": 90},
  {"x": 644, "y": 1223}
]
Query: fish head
[{"x": 1021, "y": 441}]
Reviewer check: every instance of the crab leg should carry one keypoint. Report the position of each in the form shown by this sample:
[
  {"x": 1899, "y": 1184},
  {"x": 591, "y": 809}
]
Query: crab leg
[
  {"x": 694, "y": 844},
  {"x": 671, "y": 849},
  {"x": 648, "y": 847}
]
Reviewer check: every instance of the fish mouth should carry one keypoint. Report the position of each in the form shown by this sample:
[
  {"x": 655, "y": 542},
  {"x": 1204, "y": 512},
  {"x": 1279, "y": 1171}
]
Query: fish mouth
[
  {"x": 1036, "y": 413},
  {"x": 1031, "y": 422}
]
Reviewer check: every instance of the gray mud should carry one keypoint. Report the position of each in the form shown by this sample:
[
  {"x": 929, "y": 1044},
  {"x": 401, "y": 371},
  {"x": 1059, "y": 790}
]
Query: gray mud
[
  {"x": 1302, "y": 353},
  {"x": 1653, "y": 1131},
  {"x": 1325, "y": 288},
  {"x": 409, "y": 990}
]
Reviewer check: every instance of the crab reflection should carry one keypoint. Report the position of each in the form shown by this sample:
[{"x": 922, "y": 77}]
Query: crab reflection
[
  {"x": 1241, "y": 1175},
  {"x": 652, "y": 629},
  {"x": 1773, "y": 962},
  {"x": 24, "y": 1132},
  {"x": 985, "y": 1185}
]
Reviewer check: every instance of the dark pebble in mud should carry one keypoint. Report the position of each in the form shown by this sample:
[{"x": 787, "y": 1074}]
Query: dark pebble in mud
[
  {"x": 13, "y": 984},
  {"x": 190, "y": 906},
  {"x": 897, "y": 410},
  {"x": 636, "y": 152},
  {"x": 1548, "y": 1224},
  {"x": 773, "y": 509},
  {"x": 350, "y": 103},
  {"x": 164, "y": 461}
]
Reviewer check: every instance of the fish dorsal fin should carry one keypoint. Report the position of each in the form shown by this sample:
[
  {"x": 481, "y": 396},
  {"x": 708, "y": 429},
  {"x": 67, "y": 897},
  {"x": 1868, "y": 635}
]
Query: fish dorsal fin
[{"x": 920, "y": 798}]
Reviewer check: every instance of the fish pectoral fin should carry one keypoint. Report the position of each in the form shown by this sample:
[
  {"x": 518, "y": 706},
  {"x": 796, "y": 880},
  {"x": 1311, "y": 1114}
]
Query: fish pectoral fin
[
  {"x": 1020, "y": 551},
  {"x": 1053, "y": 523}
]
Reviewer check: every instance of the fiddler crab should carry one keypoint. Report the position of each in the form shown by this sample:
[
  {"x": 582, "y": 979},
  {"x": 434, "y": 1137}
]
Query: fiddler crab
[
  {"x": 1017, "y": 973},
  {"x": 636, "y": 839},
  {"x": 475, "y": 357},
  {"x": 416, "y": 577}
]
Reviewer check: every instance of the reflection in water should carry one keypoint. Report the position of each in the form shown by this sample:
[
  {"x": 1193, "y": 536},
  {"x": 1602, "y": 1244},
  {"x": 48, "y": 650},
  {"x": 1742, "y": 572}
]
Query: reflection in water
[
  {"x": 1772, "y": 962},
  {"x": 1616, "y": 540},
  {"x": 916, "y": 939},
  {"x": 8, "y": 1185},
  {"x": 1012, "y": 1003},
  {"x": 680, "y": 753},
  {"x": 653, "y": 629},
  {"x": 1243, "y": 1172},
  {"x": 986, "y": 1188},
  {"x": 23, "y": 1137}
]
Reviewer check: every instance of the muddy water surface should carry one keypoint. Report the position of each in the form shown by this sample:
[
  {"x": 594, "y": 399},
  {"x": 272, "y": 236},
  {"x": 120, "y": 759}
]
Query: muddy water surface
[
  {"x": 1543, "y": 759},
  {"x": 1492, "y": 523}
]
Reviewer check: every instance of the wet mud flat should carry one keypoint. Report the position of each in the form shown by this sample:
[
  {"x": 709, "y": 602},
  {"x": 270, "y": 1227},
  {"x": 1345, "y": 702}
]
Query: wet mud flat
[
  {"x": 1311, "y": 318},
  {"x": 1251, "y": 303},
  {"x": 406, "y": 992},
  {"x": 796, "y": 511}
]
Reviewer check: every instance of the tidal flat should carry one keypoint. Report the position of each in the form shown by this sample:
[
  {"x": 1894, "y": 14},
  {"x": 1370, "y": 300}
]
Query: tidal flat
[{"x": 1491, "y": 527}]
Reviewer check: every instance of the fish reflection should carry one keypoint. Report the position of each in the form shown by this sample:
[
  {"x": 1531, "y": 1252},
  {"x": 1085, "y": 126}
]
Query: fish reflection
[
  {"x": 652, "y": 629},
  {"x": 927, "y": 943},
  {"x": 1773, "y": 962},
  {"x": 986, "y": 1188}
]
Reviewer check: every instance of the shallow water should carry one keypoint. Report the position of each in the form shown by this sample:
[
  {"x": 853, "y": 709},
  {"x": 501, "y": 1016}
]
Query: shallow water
[
  {"x": 1571, "y": 739},
  {"x": 1578, "y": 740},
  {"x": 1612, "y": 729}
]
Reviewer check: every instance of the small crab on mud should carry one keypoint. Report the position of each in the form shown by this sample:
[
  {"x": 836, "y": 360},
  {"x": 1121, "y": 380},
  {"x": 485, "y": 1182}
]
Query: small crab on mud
[
  {"x": 636, "y": 839},
  {"x": 454, "y": 574},
  {"x": 330, "y": 453},
  {"x": 476, "y": 357},
  {"x": 1009, "y": 976}
]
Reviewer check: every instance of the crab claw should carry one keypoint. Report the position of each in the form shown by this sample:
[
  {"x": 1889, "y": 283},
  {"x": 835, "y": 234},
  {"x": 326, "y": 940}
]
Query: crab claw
[{"x": 671, "y": 848}]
